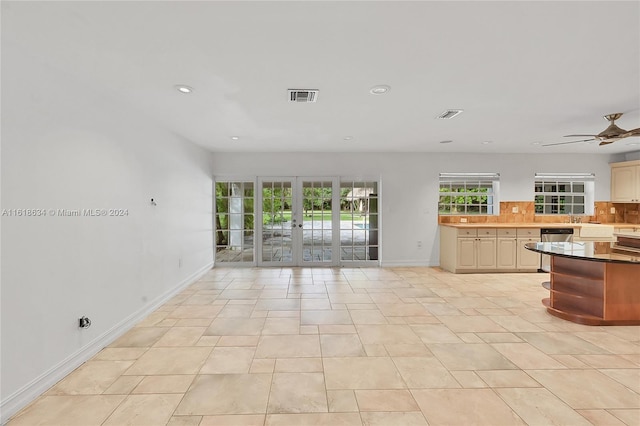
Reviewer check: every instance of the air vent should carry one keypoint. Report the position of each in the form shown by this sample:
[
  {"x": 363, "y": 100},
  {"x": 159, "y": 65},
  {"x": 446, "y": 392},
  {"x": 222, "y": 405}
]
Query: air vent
[
  {"x": 303, "y": 95},
  {"x": 449, "y": 114}
]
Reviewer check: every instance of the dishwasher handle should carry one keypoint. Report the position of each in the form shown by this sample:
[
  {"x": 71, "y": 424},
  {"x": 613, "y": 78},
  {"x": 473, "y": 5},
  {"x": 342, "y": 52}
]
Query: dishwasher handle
[{"x": 545, "y": 231}]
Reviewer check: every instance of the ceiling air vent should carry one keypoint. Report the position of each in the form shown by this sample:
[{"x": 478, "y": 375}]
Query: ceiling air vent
[
  {"x": 449, "y": 114},
  {"x": 303, "y": 95}
]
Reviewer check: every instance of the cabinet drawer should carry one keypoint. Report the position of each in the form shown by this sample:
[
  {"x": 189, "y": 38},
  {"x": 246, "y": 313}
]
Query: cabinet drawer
[
  {"x": 528, "y": 232},
  {"x": 467, "y": 232},
  {"x": 486, "y": 232},
  {"x": 507, "y": 232}
]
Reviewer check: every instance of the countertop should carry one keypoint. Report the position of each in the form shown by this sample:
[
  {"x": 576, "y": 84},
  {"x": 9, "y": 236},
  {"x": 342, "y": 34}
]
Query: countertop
[
  {"x": 628, "y": 234},
  {"x": 583, "y": 251},
  {"x": 538, "y": 225}
]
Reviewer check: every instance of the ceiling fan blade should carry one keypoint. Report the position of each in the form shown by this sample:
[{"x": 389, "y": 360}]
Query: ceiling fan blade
[
  {"x": 565, "y": 143},
  {"x": 579, "y": 136},
  {"x": 631, "y": 133}
]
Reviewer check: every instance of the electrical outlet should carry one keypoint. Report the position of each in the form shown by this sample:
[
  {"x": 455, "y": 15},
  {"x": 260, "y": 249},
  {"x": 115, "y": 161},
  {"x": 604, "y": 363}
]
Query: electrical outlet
[
  {"x": 419, "y": 244},
  {"x": 514, "y": 209},
  {"x": 613, "y": 210},
  {"x": 463, "y": 220}
]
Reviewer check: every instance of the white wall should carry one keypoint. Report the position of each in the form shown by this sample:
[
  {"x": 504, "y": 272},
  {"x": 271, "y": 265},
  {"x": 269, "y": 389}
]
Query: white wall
[
  {"x": 409, "y": 187},
  {"x": 79, "y": 150}
]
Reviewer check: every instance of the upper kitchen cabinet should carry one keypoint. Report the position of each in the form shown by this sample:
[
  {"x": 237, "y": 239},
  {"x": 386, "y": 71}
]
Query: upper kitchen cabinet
[{"x": 625, "y": 182}]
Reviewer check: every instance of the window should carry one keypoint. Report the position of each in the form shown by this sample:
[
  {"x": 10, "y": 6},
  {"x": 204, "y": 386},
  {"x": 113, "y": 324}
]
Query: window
[
  {"x": 234, "y": 219},
  {"x": 564, "y": 193},
  {"x": 469, "y": 193},
  {"x": 359, "y": 220}
]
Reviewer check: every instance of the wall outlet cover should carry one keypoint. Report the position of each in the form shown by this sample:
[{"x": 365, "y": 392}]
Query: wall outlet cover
[
  {"x": 613, "y": 210},
  {"x": 463, "y": 220},
  {"x": 514, "y": 209}
]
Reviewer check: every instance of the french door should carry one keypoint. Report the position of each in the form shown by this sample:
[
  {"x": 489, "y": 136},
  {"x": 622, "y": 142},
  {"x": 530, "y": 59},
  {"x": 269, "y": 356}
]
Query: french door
[{"x": 299, "y": 221}]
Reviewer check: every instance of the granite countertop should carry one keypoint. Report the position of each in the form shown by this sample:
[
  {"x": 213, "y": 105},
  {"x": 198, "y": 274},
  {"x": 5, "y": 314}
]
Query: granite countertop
[{"x": 582, "y": 251}]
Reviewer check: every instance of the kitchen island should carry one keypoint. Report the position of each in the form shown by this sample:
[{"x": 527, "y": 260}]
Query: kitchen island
[{"x": 591, "y": 284}]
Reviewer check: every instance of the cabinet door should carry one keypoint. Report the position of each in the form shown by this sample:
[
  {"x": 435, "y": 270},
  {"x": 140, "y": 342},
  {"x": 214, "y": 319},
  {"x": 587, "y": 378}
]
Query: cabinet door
[
  {"x": 624, "y": 183},
  {"x": 466, "y": 255},
  {"x": 527, "y": 259},
  {"x": 486, "y": 253},
  {"x": 507, "y": 249}
]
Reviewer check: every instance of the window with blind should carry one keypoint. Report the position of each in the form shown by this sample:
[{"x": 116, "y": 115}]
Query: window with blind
[
  {"x": 564, "y": 193},
  {"x": 469, "y": 194}
]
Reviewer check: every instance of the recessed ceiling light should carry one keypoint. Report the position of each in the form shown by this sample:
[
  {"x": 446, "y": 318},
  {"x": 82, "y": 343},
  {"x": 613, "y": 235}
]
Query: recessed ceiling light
[
  {"x": 486, "y": 142},
  {"x": 235, "y": 138},
  {"x": 380, "y": 89},
  {"x": 348, "y": 138},
  {"x": 183, "y": 89},
  {"x": 446, "y": 141},
  {"x": 536, "y": 143}
]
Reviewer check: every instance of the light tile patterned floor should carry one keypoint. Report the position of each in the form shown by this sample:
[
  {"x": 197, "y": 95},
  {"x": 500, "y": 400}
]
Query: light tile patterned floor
[{"x": 398, "y": 346}]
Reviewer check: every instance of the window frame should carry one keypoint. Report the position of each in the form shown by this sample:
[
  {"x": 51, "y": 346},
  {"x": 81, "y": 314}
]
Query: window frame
[
  {"x": 554, "y": 199},
  {"x": 239, "y": 199},
  {"x": 468, "y": 181}
]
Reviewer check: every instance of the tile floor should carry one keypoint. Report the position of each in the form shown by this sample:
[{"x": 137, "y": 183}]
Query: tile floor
[{"x": 397, "y": 346}]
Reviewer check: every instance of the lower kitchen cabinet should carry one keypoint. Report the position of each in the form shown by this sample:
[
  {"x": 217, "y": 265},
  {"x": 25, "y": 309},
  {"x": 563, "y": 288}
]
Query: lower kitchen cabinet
[
  {"x": 527, "y": 259},
  {"x": 506, "y": 248},
  {"x": 487, "y": 250},
  {"x": 507, "y": 253},
  {"x": 476, "y": 253},
  {"x": 466, "y": 253}
]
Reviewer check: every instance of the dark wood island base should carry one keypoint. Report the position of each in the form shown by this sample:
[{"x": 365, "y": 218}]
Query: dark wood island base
[{"x": 593, "y": 291}]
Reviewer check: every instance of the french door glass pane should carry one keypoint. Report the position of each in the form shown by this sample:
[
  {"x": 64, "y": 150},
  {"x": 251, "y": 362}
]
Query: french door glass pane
[
  {"x": 234, "y": 222},
  {"x": 317, "y": 221},
  {"x": 277, "y": 202},
  {"x": 358, "y": 221}
]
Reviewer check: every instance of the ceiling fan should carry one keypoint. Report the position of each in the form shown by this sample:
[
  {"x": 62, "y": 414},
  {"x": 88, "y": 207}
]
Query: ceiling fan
[{"x": 607, "y": 136}]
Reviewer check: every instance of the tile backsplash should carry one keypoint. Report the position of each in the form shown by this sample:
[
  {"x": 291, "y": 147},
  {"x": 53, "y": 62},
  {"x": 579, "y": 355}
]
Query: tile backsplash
[{"x": 523, "y": 212}]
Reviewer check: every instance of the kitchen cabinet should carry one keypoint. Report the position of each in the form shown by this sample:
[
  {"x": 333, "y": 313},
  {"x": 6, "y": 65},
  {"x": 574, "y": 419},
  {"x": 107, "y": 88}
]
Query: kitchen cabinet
[
  {"x": 527, "y": 259},
  {"x": 486, "y": 252},
  {"x": 625, "y": 182},
  {"x": 476, "y": 249},
  {"x": 507, "y": 248},
  {"x": 466, "y": 253},
  {"x": 485, "y": 249}
]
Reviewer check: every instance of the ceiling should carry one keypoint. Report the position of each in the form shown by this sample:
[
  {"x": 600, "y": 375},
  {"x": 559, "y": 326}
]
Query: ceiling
[{"x": 523, "y": 72}]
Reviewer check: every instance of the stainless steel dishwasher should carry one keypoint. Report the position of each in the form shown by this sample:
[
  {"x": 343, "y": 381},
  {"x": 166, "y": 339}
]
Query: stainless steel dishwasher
[{"x": 557, "y": 235}]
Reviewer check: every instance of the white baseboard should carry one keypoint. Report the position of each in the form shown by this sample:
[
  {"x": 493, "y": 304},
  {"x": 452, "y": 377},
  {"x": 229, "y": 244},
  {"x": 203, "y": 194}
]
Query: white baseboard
[
  {"x": 29, "y": 392},
  {"x": 406, "y": 263}
]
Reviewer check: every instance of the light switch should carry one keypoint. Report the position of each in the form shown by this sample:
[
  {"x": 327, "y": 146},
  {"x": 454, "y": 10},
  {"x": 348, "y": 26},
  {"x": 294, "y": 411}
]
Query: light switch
[{"x": 514, "y": 209}]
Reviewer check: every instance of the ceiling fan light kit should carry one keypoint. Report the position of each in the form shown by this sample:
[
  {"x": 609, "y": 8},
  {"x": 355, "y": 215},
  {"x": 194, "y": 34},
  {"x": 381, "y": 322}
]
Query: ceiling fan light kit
[{"x": 609, "y": 135}]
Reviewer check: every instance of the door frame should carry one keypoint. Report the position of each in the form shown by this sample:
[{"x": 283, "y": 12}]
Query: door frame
[{"x": 297, "y": 216}]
